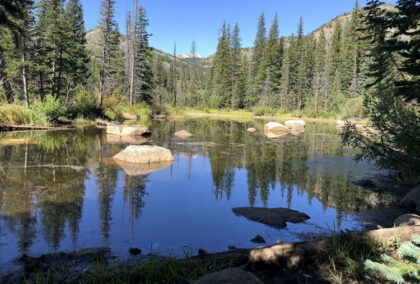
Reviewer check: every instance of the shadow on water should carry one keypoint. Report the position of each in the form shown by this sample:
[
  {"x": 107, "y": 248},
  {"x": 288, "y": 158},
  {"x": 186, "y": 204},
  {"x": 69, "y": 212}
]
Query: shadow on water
[{"x": 57, "y": 193}]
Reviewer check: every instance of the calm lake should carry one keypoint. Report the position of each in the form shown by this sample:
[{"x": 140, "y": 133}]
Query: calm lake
[{"x": 60, "y": 191}]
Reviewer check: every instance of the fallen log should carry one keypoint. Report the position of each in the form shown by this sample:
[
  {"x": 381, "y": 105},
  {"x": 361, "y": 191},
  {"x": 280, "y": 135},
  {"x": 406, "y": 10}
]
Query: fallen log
[
  {"x": 32, "y": 127},
  {"x": 290, "y": 251}
]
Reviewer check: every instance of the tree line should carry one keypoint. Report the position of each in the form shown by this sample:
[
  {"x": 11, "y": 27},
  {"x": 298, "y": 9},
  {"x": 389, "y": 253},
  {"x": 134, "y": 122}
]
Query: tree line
[{"x": 313, "y": 72}]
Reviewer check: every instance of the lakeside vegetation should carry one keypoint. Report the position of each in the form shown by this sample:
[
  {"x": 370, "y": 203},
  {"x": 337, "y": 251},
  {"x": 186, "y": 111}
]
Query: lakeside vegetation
[{"x": 345, "y": 259}]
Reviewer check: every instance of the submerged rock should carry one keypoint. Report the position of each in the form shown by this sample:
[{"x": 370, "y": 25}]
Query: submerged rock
[
  {"x": 16, "y": 142},
  {"x": 408, "y": 220},
  {"x": 295, "y": 123},
  {"x": 258, "y": 239},
  {"x": 252, "y": 129},
  {"x": 131, "y": 130},
  {"x": 412, "y": 199},
  {"x": 134, "y": 251},
  {"x": 273, "y": 135},
  {"x": 275, "y": 217},
  {"x": 183, "y": 134},
  {"x": 340, "y": 123},
  {"x": 230, "y": 275},
  {"x": 144, "y": 154},
  {"x": 136, "y": 169},
  {"x": 132, "y": 140},
  {"x": 275, "y": 127}
]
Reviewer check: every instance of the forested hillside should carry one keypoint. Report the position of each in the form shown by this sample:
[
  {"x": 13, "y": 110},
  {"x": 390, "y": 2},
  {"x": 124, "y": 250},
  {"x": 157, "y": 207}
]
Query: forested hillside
[{"x": 320, "y": 73}]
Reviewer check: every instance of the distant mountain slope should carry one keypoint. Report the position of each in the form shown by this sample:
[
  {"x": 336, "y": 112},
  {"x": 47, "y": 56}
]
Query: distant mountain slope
[{"x": 93, "y": 39}]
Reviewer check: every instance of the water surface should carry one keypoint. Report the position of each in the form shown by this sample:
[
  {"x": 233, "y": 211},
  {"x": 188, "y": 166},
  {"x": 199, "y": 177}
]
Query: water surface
[{"x": 59, "y": 191}]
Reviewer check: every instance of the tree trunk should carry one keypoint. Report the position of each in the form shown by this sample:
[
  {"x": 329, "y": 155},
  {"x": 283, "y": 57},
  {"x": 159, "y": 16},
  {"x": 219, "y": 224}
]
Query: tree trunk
[
  {"x": 302, "y": 249},
  {"x": 24, "y": 79},
  {"x": 10, "y": 94}
]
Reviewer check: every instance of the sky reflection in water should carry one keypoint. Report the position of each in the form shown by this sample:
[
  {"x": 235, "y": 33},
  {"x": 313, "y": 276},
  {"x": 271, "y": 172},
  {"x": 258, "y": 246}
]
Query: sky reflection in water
[{"x": 57, "y": 192}]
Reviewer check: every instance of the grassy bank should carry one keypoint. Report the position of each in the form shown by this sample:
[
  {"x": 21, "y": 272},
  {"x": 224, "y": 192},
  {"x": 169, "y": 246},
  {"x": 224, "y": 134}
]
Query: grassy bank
[
  {"x": 85, "y": 112},
  {"x": 346, "y": 258}
]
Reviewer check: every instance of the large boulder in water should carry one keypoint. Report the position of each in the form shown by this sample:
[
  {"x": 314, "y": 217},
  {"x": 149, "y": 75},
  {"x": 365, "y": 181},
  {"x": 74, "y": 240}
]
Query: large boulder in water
[
  {"x": 136, "y": 169},
  {"x": 275, "y": 217},
  {"x": 132, "y": 130},
  {"x": 251, "y": 129},
  {"x": 273, "y": 135},
  {"x": 275, "y": 127},
  {"x": 229, "y": 275},
  {"x": 407, "y": 220},
  {"x": 412, "y": 199},
  {"x": 295, "y": 124},
  {"x": 132, "y": 140},
  {"x": 183, "y": 134},
  {"x": 144, "y": 154}
]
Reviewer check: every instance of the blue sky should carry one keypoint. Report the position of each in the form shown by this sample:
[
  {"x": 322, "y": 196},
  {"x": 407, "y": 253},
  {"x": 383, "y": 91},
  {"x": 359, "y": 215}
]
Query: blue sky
[{"x": 182, "y": 21}]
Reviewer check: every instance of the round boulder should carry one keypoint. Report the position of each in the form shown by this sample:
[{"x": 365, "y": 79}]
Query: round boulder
[
  {"x": 144, "y": 154},
  {"x": 295, "y": 123},
  {"x": 412, "y": 199},
  {"x": 230, "y": 275},
  {"x": 183, "y": 134},
  {"x": 407, "y": 220}
]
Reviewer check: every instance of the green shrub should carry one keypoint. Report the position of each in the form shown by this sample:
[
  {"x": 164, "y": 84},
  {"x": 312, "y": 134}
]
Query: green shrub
[
  {"x": 264, "y": 110},
  {"x": 84, "y": 106},
  {"x": 158, "y": 110},
  {"x": 353, "y": 108},
  {"x": 405, "y": 269},
  {"x": 50, "y": 109}
]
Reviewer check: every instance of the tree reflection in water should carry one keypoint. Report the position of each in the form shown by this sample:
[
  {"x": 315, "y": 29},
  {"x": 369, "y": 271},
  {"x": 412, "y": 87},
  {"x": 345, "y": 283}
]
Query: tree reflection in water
[{"x": 43, "y": 181}]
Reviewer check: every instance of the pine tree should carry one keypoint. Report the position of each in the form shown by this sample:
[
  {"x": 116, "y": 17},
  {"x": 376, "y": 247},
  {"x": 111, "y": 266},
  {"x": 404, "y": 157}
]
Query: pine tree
[
  {"x": 259, "y": 44},
  {"x": 396, "y": 143},
  {"x": 173, "y": 78},
  {"x": 285, "y": 79},
  {"x": 107, "y": 25},
  {"x": 143, "y": 60},
  {"x": 76, "y": 69},
  {"x": 237, "y": 75},
  {"x": 9, "y": 12},
  {"x": 115, "y": 71},
  {"x": 271, "y": 62},
  {"x": 352, "y": 54},
  {"x": 18, "y": 47},
  {"x": 335, "y": 59},
  {"x": 240, "y": 88},
  {"x": 319, "y": 68},
  {"x": 221, "y": 72},
  {"x": 159, "y": 79}
]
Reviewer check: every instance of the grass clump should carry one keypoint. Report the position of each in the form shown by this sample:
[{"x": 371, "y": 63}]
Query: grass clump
[
  {"x": 404, "y": 267},
  {"x": 84, "y": 106},
  {"x": 15, "y": 115},
  {"x": 155, "y": 270},
  {"x": 346, "y": 255},
  {"x": 50, "y": 109},
  {"x": 169, "y": 270}
]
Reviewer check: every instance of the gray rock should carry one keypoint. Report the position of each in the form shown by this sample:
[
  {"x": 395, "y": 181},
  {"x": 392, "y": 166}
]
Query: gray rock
[
  {"x": 132, "y": 130},
  {"x": 412, "y": 199},
  {"x": 275, "y": 217},
  {"x": 134, "y": 251},
  {"x": 229, "y": 276},
  {"x": 183, "y": 134},
  {"x": 144, "y": 154},
  {"x": 407, "y": 220},
  {"x": 258, "y": 239}
]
